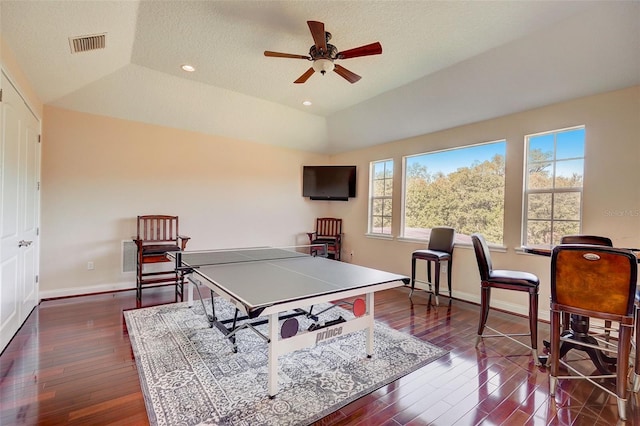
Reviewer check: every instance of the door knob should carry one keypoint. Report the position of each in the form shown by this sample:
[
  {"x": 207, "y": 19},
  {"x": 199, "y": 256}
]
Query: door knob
[{"x": 23, "y": 243}]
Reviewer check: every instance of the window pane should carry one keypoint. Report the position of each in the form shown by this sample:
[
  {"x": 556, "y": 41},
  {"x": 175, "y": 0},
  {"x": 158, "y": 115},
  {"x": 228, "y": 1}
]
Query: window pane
[
  {"x": 538, "y": 232},
  {"x": 462, "y": 188},
  {"x": 566, "y": 206},
  {"x": 378, "y": 206},
  {"x": 561, "y": 229},
  {"x": 569, "y": 173},
  {"x": 541, "y": 147},
  {"x": 378, "y": 187},
  {"x": 388, "y": 187},
  {"x": 539, "y": 206},
  {"x": 540, "y": 176},
  {"x": 570, "y": 144}
]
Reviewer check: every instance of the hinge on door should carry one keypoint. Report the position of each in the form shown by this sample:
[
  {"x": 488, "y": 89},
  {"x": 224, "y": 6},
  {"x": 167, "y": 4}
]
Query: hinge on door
[
  {"x": 38, "y": 138},
  {"x": 37, "y": 231},
  {"x": 37, "y": 278},
  {"x": 0, "y": 95},
  {"x": 38, "y": 186}
]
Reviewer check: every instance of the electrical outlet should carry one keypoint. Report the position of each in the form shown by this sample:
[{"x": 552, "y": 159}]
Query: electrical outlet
[{"x": 89, "y": 266}]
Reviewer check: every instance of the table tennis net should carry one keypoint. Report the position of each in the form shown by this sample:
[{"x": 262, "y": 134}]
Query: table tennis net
[{"x": 253, "y": 254}]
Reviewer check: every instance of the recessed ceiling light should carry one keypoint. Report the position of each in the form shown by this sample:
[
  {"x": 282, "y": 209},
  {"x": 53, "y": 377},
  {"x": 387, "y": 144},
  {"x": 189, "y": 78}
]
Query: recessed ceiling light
[
  {"x": 188, "y": 68},
  {"x": 306, "y": 103}
]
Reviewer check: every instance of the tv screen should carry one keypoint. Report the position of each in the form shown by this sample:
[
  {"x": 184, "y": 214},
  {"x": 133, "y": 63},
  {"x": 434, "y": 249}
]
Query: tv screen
[{"x": 329, "y": 182}]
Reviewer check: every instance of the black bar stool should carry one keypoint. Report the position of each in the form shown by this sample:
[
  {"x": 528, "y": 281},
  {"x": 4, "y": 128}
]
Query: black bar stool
[
  {"x": 508, "y": 280},
  {"x": 440, "y": 249}
]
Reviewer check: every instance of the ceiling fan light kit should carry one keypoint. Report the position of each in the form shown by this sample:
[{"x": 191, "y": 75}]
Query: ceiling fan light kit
[
  {"x": 323, "y": 65},
  {"x": 324, "y": 54}
]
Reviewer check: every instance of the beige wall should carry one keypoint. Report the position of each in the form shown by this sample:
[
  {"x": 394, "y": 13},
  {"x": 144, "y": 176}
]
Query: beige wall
[
  {"x": 611, "y": 194},
  {"x": 99, "y": 173}
]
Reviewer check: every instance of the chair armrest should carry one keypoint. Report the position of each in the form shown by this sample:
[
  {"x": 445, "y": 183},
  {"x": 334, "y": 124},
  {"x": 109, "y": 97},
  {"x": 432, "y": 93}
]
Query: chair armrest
[{"x": 183, "y": 241}]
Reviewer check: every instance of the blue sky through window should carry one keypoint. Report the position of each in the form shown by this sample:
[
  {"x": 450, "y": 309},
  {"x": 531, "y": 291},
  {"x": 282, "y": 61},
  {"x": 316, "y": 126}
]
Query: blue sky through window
[{"x": 451, "y": 160}]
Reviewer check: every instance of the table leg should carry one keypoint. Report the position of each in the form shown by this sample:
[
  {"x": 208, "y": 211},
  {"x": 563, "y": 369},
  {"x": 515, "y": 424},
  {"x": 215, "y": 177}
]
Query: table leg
[
  {"x": 579, "y": 333},
  {"x": 273, "y": 356},
  {"x": 189, "y": 285},
  {"x": 371, "y": 325}
]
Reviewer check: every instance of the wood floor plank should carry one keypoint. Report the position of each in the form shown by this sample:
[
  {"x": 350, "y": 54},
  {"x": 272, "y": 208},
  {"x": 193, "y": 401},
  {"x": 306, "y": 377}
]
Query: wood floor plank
[{"x": 72, "y": 363}]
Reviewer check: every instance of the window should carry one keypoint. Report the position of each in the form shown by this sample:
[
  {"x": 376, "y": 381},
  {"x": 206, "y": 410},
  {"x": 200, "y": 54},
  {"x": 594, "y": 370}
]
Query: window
[
  {"x": 462, "y": 188},
  {"x": 553, "y": 185},
  {"x": 380, "y": 197}
]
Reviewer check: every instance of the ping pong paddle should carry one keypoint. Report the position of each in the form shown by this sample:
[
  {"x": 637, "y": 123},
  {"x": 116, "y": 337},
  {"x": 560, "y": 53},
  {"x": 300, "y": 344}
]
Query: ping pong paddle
[
  {"x": 289, "y": 328},
  {"x": 359, "y": 307}
]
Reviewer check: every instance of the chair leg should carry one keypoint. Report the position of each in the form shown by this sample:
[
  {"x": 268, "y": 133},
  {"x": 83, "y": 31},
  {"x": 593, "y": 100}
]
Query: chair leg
[
  {"x": 636, "y": 374},
  {"x": 449, "y": 269},
  {"x": 428, "y": 262},
  {"x": 413, "y": 276},
  {"x": 533, "y": 325},
  {"x": 485, "y": 296},
  {"x": 139, "y": 267},
  {"x": 554, "y": 357},
  {"x": 436, "y": 281},
  {"x": 622, "y": 368}
]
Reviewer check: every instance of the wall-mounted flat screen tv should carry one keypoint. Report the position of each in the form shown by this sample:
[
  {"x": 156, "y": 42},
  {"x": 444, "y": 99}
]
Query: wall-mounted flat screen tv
[{"x": 333, "y": 183}]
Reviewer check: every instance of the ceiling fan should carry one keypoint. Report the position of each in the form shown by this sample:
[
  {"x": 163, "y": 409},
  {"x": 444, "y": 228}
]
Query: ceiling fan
[{"x": 324, "y": 54}]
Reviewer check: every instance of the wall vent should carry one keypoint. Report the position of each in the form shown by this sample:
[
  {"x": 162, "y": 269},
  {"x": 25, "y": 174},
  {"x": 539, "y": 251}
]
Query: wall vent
[
  {"x": 129, "y": 253},
  {"x": 87, "y": 42}
]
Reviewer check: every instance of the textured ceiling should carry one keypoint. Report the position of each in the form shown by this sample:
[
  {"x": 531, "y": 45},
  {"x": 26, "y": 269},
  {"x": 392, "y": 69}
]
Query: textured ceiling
[{"x": 443, "y": 63}]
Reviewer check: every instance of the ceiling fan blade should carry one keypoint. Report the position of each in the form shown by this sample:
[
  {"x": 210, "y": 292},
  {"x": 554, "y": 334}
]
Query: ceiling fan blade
[
  {"x": 369, "y": 49},
  {"x": 346, "y": 74},
  {"x": 317, "y": 32},
  {"x": 304, "y": 77},
  {"x": 285, "y": 55}
]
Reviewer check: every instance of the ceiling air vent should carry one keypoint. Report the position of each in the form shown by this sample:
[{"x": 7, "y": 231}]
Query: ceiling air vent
[{"x": 86, "y": 43}]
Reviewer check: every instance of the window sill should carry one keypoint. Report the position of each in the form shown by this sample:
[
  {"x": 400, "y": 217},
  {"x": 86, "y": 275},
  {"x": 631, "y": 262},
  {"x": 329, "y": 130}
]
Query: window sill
[{"x": 379, "y": 236}]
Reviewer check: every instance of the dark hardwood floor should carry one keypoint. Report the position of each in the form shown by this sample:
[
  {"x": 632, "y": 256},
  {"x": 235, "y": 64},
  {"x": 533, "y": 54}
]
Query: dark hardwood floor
[{"x": 72, "y": 363}]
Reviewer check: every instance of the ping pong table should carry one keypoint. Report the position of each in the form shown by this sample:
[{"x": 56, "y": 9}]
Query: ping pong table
[{"x": 279, "y": 283}]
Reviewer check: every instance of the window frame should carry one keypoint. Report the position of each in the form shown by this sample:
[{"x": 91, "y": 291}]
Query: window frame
[
  {"x": 553, "y": 190},
  {"x": 373, "y": 198}
]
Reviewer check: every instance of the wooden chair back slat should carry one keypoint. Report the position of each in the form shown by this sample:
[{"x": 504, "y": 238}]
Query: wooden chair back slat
[
  {"x": 328, "y": 227},
  {"x": 153, "y": 229}
]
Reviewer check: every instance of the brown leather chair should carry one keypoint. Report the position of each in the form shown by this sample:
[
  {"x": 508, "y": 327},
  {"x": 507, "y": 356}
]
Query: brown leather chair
[
  {"x": 328, "y": 232},
  {"x": 440, "y": 249},
  {"x": 610, "y": 275},
  {"x": 507, "y": 280},
  {"x": 157, "y": 235},
  {"x": 594, "y": 240}
]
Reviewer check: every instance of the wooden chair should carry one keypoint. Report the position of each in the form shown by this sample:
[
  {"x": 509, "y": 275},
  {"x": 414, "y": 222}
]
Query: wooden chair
[
  {"x": 440, "y": 249},
  {"x": 329, "y": 232},
  {"x": 595, "y": 282},
  {"x": 157, "y": 235},
  {"x": 507, "y": 280},
  {"x": 594, "y": 240}
]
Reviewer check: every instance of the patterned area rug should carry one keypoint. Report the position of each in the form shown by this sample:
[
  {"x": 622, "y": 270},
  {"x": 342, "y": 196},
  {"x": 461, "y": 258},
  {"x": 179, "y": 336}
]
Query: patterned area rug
[{"x": 190, "y": 375}]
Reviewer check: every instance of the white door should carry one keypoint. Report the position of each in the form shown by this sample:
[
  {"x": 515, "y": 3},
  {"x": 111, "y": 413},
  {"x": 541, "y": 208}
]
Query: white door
[{"x": 19, "y": 211}]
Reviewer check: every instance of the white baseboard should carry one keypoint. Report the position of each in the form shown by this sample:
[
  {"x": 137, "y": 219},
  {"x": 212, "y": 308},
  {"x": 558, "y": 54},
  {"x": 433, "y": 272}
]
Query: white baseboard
[
  {"x": 80, "y": 291},
  {"x": 543, "y": 314}
]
